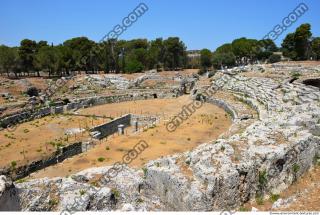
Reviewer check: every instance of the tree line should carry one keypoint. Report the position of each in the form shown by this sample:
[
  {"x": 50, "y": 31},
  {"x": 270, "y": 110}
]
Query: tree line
[
  {"x": 83, "y": 54},
  {"x": 299, "y": 45},
  {"x": 128, "y": 56}
]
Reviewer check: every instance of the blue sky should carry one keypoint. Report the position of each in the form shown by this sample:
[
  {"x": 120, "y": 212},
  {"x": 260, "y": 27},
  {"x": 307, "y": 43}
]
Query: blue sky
[{"x": 200, "y": 24}]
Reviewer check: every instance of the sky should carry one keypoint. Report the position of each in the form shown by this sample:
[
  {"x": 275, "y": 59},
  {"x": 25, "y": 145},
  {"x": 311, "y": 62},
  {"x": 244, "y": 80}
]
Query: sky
[{"x": 200, "y": 24}]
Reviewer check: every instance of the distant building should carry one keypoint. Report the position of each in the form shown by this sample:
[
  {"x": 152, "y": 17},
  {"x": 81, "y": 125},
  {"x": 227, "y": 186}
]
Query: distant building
[
  {"x": 193, "y": 53},
  {"x": 282, "y": 57}
]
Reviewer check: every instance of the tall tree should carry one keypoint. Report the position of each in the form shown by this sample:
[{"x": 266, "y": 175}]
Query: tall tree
[
  {"x": 175, "y": 53},
  {"x": 27, "y": 51},
  {"x": 301, "y": 38},
  {"x": 81, "y": 47},
  {"x": 316, "y": 47},
  {"x": 47, "y": 59},
  {"x": 7, "y": 59},
  {"x": 288, "y": 46},
  {"x": 205, "y": 59}
]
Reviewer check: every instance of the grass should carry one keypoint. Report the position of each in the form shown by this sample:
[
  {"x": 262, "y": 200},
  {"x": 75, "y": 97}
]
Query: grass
[
  {"x": 243, "y": 209},
  {"x": 101, "y": 159},
  {"x": 21, "y": 181},
  {"x": 53, "y": 202},
  {"x": 274, "y": 197},
  {"x": 145, "y": 172},
  {"x": 295, "y": 168},
  {"x": 263, "y": 178},
  {"x": 259, "y": 200},
  {"x": 116, "y": 193},
  {"x": 13, "y": 164},
  {"x": 295, "y": 74},
  {"x": 139, "y": 201},
  {"x": 95, "y": 184}
]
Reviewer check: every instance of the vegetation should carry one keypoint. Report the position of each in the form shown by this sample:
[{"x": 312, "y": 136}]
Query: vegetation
[
  {"x": 262, "y": 179},
  {"x": 82, "y": 54},
  {"x": 13, "y": 164},
  {"x": 274, "y": 197},
  {"x": 274, "y": 58},
  {"x": 116, "y": 193},
  {"x": 128, "y": 56},
  {"x": 101, "y": 159},
  {"x": 145, "y": 172},
  {"x": 259, "y": 200}
]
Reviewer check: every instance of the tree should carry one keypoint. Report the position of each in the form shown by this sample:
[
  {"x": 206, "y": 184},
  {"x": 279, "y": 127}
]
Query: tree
[
  {"x": 274, "y": 58},
  {"x": 205, "y": 59},
  {"x": 288, "y": 46},
  {"x": 7, "y": 59},
  {"x": 267, "y": 47},
  {"x": 155, "y": 55},
  {"x": 47, "y": 59},
  {"x": 225, "y": 48},
  {"x": 316, "y": 47},
  {"x": 245, "y": 50},
  {"x": 134, "y": 65},
  {"x": 301, "y": 38},
  {"x": 223, "y": 59},
  {"x": 81, "y": 49},
  {"x": 175, "y": 53},
  {"x": 297, "y": 45},
  {"x": 27, "y": 52}
]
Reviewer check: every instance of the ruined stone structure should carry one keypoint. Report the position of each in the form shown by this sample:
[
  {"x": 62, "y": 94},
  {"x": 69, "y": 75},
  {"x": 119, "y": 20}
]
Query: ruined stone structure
[{"x": 279, "y": 144}]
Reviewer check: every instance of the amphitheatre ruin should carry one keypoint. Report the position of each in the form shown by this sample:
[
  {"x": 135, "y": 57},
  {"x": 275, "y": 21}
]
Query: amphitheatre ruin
[{"x": 107, "y": 145}]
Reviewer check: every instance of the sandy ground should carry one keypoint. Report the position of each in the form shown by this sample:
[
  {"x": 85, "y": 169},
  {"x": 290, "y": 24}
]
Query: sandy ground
[
  {"x": 38, "y": 138},
  {"x": 206, "y": 124}
]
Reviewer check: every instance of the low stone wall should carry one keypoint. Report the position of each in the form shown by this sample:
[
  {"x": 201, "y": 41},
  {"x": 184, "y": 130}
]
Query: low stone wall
[
  {"x": 222, "y": 104},
  {"x": 30, "y": 114},
  {"x": 24, "y": 116},
  {"x": 109, "y": 128},
  {"x": 57, "y": 157}
]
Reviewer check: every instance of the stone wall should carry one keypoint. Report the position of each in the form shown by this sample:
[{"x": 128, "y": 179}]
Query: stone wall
[
  {"x": 222, "y": 104},
  {"x": 57, "y": 157},
  {"x": 109, "y": 128},
  {"x": 30, "y": 114}
]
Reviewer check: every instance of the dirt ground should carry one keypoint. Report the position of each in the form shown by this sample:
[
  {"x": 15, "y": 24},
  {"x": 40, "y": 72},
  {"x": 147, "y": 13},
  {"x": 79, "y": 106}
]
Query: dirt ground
[
  {"x": 39, "y": 138},
  {"x": 206, "y": 124}
]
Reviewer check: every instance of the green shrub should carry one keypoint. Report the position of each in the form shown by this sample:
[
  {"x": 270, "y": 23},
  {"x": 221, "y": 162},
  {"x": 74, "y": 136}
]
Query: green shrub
[
  {"x": 13, "y": 164},
  {"x": 263, "y": 179},
  {"x": 259, "y": 200},
  {"x": 274, "y": 197},
  {"x": 295, "y": 74},
  {"x": 295, "y": 168},
  {"x": 101, "y": 159},
  {"x": 116, "y": 193},
  {"x": 274, "y": 58},
  {"x": 145, "y": 172}
]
